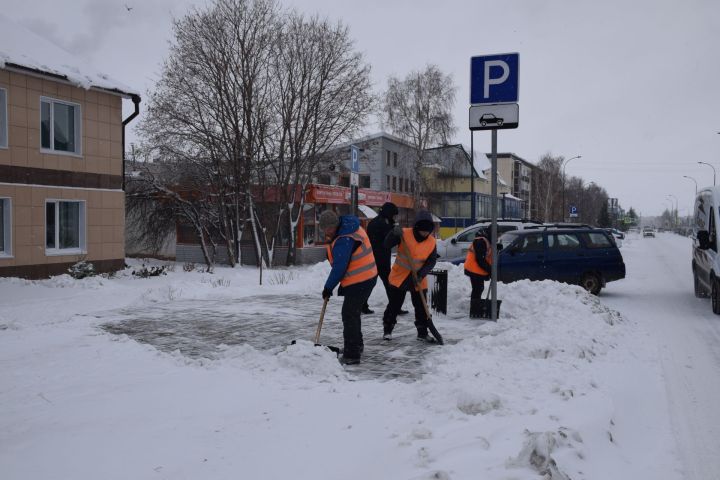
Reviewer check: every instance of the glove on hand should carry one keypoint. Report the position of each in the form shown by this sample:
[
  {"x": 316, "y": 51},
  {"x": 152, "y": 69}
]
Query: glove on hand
[
  {"x": 326, "y": 294},
  {"x": 397, "y": 231}
]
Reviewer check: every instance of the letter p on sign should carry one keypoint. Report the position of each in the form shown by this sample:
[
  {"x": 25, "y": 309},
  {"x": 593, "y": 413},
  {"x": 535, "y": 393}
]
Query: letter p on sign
[{"x": 494, "y": 78}]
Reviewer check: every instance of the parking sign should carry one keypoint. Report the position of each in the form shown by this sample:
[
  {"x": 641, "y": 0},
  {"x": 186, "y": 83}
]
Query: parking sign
[{"x": 494, "y": 78}]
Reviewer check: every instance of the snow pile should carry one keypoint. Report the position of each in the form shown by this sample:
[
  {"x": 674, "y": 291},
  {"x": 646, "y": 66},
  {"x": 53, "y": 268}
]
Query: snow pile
[{"x": 534, "y": 395}]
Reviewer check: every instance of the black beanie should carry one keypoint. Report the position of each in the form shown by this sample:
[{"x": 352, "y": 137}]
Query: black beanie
[{"x": 388, "y": 210}]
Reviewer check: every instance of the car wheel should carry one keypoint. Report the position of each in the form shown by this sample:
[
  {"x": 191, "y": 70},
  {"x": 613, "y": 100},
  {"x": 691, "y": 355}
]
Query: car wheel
[
  {"x": 500, "y": 122},
  {"x": 699, "y": 292},
  {"x": 483, "y": 123},
  {"x": 715, "y": 296},
  {"x": 591, "y": 283}
]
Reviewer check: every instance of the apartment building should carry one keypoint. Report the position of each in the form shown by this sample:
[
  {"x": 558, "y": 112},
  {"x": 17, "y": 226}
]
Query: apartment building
[
  {"x": 518, "y": 173},
  {"x": 61, "y": 159}
]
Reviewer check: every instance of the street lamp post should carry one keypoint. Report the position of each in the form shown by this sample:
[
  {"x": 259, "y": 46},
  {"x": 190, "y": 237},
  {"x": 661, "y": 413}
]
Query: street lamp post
[
  {"x": 705, "y": 163},
  {"x": 691, "y": 178},
  {"x": 564, "y": 207},
  {"x": 676, "y": 210}
]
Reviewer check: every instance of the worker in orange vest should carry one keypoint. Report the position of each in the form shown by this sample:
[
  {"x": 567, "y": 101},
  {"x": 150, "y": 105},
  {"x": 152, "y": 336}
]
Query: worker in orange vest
[
  {"x": 416, "y": 251},
  {"x": 478, "y": 263},
  {"x": 353, "y": 267}
]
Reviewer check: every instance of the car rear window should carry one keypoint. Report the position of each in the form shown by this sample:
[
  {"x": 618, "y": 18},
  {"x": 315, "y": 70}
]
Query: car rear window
[{"x": 597, "y": 240}]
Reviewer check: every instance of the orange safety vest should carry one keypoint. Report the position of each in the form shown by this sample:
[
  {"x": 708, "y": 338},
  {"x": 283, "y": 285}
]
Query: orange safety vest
[
  {"x": 411, "y": 255},
  {"x": 362, "y": 261},
  {"x": 471, "y": 264}
]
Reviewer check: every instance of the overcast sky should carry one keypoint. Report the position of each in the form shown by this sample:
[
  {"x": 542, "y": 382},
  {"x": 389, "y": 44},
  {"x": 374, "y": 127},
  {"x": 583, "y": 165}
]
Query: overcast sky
[{"x": 631, "y": 85}]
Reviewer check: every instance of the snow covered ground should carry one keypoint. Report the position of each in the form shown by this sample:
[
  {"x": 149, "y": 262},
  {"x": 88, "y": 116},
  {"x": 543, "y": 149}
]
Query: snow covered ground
[{"x": 565, "y": 385}]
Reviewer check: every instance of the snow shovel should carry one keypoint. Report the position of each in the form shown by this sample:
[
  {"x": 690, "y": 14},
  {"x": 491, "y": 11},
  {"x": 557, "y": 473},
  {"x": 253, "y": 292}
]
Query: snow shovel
[
  {"x": 482, "y": 307},
  {"x": 336, "y": 350},
  {"x": 430, "y": 324}
]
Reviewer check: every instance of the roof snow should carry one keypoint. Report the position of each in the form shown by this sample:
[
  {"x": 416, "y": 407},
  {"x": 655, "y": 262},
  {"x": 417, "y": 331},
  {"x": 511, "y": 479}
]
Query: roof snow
[{"x": 19, "y": 47}]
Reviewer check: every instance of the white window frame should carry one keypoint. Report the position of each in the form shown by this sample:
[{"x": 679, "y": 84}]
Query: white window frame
[
  {"x": 82, "y": 250},
  {"x": 6, "y": 252},
  {"x": 4, "y": 130},
  {"x": 78, "y": 127}
]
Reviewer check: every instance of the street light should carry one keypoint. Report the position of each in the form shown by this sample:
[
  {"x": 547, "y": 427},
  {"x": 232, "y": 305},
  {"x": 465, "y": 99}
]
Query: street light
[
  {"x": 676, "y": 209},
  {"x": 705, "y": 163},
  {"x": 565, "y": 162},
  {"x": 691, "y": 178}
]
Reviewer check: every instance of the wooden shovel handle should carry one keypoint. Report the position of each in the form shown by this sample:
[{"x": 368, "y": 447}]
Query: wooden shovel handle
[{"x": 322, "y": 316}]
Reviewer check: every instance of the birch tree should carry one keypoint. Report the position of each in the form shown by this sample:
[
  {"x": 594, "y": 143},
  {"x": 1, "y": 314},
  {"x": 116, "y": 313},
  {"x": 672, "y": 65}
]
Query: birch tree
[
  {"x": 323, "y": 98},
  {"x": 418, "y": 109},
  {"x": 209, "y": 112}
]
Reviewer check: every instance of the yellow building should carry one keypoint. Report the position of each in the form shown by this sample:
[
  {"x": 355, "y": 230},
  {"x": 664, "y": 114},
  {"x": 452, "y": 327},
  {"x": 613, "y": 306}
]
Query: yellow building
[
  {"x": 447, "y": 183},
  {"x": 61, "y": 159}
]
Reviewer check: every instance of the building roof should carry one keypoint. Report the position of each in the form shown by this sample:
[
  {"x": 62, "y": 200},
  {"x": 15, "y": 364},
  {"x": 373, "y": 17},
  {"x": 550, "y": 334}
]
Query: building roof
[{"x": 26, "y": 51}]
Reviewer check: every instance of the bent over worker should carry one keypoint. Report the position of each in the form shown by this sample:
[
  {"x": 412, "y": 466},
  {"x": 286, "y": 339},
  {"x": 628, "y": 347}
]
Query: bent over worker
[
  {"x": 353, "y": 266},
  {"x": 478, "y": 263},
  {"x": 416, "y": 251}
]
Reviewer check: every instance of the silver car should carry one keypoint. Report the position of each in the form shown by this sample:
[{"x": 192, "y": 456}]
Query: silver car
[{"x": 457, "y": 245}]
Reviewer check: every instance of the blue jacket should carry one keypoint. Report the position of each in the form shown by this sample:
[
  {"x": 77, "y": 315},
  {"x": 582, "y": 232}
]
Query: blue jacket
[{"x": 342, "y": 251}]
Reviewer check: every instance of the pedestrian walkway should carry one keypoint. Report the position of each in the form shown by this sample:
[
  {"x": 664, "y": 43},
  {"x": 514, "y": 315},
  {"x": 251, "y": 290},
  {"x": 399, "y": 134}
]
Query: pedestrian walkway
[{"x": 197, "y": 328}]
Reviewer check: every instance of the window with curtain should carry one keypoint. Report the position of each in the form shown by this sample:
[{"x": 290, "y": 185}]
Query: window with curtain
[
  {"x": 64, "y": 226},
  {"x": 59, "y": 126}
]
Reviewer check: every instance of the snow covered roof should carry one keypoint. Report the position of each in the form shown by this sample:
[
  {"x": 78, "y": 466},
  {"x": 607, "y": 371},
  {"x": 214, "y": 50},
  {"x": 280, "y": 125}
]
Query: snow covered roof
[{"x": 25, "y": 50}]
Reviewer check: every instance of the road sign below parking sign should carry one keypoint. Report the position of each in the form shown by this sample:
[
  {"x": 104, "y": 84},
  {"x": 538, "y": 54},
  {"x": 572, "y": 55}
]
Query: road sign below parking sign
[
  {"x": 494, "y": 78},
  {"x": 489, "y": 117}
]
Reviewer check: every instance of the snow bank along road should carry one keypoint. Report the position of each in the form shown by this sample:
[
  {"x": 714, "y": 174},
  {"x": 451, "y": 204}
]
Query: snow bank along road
[{"x": 658, "y": 293}]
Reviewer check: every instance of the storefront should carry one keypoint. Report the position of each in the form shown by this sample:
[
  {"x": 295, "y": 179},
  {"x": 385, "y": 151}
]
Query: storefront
[{"x": 323, "y": 197}]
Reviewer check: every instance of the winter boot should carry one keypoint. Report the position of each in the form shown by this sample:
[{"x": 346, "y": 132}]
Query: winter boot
[
  {"x": 403, "y": 312},
  {"x": 366, "y": 309},
  {"x": 349, "y": 360}
]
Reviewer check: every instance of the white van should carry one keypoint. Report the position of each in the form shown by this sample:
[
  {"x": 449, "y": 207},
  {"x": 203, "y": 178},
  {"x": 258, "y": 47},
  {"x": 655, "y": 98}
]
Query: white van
[
  {"x": 454, "y": 247},
  {"x": 706, "y": 261}
]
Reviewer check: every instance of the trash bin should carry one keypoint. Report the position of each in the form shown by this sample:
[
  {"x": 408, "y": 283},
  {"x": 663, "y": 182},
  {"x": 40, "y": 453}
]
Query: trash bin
[{"x": 438, "y": 297}]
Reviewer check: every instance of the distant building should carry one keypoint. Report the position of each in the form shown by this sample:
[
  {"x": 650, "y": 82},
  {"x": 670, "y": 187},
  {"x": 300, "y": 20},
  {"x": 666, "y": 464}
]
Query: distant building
[
  {"x": 61, "y": 166},
  {"x": 518, "y": 173},
  {"x": 448, "y": 188}
]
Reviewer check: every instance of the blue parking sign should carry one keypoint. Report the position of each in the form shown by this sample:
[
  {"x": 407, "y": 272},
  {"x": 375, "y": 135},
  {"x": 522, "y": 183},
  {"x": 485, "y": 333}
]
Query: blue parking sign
[{"x": 494, "y": 78}]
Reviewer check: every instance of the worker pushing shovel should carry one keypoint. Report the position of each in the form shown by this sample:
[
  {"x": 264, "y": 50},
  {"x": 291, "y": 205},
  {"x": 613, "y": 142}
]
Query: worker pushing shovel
[
  {"x": 416, "y": 257},
  {"x": 353, "y": 267}
]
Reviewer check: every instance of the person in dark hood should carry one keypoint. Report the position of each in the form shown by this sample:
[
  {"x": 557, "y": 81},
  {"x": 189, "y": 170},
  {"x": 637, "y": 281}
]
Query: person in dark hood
[
  {"x": 377, "y": 230},
  {"x": 478, "y": 263},
  {"x": 353, "y": 267},
  {"x": 416, "y": 251}
]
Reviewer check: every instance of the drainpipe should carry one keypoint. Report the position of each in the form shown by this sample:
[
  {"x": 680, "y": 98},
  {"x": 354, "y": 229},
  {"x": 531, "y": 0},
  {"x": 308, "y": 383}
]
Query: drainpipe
[{"x": 136, "y": 100}]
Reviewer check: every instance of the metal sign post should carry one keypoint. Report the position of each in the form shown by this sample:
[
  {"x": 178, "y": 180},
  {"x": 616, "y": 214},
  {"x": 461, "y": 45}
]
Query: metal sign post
[
  {"x": 354, "y": 178},
  {"x": 494, "y": 83}
]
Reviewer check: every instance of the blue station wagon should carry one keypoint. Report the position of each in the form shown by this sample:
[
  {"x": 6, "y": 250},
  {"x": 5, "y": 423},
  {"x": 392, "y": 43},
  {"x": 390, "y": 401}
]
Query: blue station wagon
[{"x": 587, "y": 257}]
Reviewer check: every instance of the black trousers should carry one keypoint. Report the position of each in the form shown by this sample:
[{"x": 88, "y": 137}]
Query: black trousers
[
  {"x": 396, "y": 298},
  {"x": 478, "y": 285},
  {"x": 355, "y": 297}
]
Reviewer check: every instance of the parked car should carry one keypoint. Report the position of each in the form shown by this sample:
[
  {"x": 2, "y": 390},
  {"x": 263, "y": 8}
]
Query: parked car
[
  {"x": 705, "y": 259},
  {"x": 648, "y": 232},
  {"x": 455, "y": 247},
  {"x": 616, "y": 233},
  {"x": 587, "y": 257}
]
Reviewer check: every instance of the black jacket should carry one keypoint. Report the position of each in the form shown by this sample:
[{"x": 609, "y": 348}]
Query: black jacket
[{"x": 377, "y": 230}]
